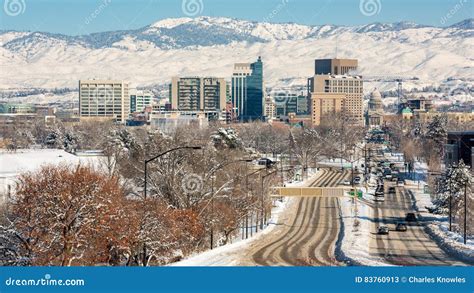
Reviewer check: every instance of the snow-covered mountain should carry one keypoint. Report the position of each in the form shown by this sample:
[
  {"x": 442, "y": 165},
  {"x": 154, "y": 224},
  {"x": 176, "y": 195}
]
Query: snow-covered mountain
[{"x": 210, "y": 46}]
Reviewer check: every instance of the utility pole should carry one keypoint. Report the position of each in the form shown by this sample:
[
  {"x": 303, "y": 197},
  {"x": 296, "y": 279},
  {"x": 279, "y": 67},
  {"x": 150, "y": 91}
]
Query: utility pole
[
  {"x": 450, "y": 207},
  {"x": 212, "y": 212},
  {"x": 465, "y": 212}
]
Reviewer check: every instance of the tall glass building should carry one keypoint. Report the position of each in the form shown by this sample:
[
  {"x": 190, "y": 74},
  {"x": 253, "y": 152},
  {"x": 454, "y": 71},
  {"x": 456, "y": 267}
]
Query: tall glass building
[{"x": 247, "y": 91}]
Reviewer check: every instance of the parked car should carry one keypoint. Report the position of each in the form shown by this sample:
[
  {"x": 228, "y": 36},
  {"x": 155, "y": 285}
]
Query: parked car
[
  {"x": 410, "y": 217},
  {"x": 391, "y": 189},
  {"x": 400, "y": 182},
  {"x": 382, "y": 230},
  {"x": 401, "y": 226},
  {"x": 266, "y": 162}
]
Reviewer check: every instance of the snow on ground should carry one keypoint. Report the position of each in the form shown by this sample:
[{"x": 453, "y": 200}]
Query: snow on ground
[
  {"x": 356, "y": 216},
  {"x": 228, "y": 255},
  {"x": 13, "y": 164},
  {"x": 48, "y": 98}
]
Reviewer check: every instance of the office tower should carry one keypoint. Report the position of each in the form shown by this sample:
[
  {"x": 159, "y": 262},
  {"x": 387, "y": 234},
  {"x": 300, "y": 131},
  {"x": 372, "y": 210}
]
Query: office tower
[
  {"x": 349, "y": 86},
  {"x": 247, "y": 90},
  {"x": 323, "y": 105},
  {"x": 335, "y": 66},
  {"x": 198, "y": 94},
  {"x": 139, "y": 100},
  {"x": 270, "y": 109},
  {"x": 302, "y": 105},
  {"x": 104, "y": 99}
]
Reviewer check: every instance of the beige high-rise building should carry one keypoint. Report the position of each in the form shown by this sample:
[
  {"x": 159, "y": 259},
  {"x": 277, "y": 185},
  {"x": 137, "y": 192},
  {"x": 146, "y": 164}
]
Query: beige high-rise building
[
  {"x": 325, "y": 104},
  {"x": 269, "y": 108},
  {"x": 198, "y": 94},
  {"x": 349, "y": 86},
  {"x": 104, "y": 99}
]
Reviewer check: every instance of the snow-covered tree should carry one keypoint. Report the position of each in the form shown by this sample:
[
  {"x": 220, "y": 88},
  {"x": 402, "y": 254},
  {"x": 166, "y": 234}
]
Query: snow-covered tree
[
  {"x": 226, "y": 137},
  {"x": 53, "y": 138},
  {"x": 452, "y": 185},
  {"x": 62, "y": 216},
  {"x": 437, "y": 133},
  {"x": 70, "y": 141}
]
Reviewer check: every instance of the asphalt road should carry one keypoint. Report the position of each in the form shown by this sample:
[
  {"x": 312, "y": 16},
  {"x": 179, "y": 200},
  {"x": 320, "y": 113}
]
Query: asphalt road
[
  {"x": 307, "y": 231},
  {"x": 411, "y": 248}
]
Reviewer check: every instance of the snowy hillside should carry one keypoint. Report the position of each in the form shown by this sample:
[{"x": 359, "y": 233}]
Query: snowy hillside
[{"x": 210, "y": 46}]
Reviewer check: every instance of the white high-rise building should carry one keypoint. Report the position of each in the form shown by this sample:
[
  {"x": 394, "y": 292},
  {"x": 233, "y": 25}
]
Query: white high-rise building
[
  {"x": 104, "y": 99},
  {"x": 139, "y": 100}
]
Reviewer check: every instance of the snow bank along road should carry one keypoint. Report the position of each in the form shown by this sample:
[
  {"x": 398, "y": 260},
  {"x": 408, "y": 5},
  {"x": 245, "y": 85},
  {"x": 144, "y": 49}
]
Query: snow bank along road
[
  {"x": 411, "y": 248},
  {"x": 307, "y": 232}
]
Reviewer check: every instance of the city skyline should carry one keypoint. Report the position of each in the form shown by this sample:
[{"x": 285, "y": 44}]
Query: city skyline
[{"x": 78, "y": 18}]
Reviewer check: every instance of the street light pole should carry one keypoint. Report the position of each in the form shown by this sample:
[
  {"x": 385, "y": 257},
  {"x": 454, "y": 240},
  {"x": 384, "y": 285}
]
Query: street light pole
[
  {"x": 263, "y": 212},
  {"x": 145, "y": 254},
  {"x": 212, "y": 212},
  {"x": 212, "y": 192},
  {"x": 465, "y": 213},
  {"x": 160, "y": 155},
  {"x": 450, "y": 207}
]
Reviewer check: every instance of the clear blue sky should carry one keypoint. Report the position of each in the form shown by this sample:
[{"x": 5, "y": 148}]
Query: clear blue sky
[{"x": 75, "y": 17}]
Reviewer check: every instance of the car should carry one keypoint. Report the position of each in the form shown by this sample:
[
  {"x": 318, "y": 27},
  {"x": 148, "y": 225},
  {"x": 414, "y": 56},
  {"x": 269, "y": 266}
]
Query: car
[
  {"x": 379, "y": 191},
  {"x": 382, "y": 230},
  {"x": 379, "y": 199},
  {"x": 356, "y": 180},
  {"x": 410, "y": 217},
  {"x": 401, "y": 226},
  {"x": 266, "y": 162},
  {"x": 391, "y": 189},
  {"x": 345, "y": 182},
  {"x": 400, "y": 182}
]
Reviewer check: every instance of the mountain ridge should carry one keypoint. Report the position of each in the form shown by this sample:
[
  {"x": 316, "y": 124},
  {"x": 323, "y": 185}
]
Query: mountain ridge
[{"x": 210, "y": 46}]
